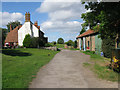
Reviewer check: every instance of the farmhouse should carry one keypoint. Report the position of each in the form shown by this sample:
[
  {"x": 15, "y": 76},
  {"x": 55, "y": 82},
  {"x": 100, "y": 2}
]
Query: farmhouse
[
  {"x": 89, "y": 41},
  {"x": 15, "y": 37}
]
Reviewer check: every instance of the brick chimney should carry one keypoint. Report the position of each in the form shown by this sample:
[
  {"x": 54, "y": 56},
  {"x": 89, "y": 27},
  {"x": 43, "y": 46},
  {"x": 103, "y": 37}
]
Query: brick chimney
[
  {"x": 36, "y": 23},
  {"x": 27, "y": 17},
  {"x": 10, "y": 28}
]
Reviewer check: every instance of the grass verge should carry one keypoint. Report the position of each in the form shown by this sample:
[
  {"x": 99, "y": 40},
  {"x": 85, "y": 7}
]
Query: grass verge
[
  {"x": 99, "y": 65},
  {"x": 21, "y": 65}
]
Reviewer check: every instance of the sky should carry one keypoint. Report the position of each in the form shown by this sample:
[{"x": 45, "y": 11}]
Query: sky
[{"x": 56, "y": 19}]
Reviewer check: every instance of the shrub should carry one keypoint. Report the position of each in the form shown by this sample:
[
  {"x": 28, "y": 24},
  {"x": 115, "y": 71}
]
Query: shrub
[
  {"x": 48, "y": 45},
  {"x": 107, "y": 45},
  {"x": 41, "y": 42},
  {"x": 60, "y": 41},
  {"x": 34, "y": 42},
  {"x": 70, "y": 43},
  {"x": 75, "y": 44},
  {"x": 27, "y": 41}
]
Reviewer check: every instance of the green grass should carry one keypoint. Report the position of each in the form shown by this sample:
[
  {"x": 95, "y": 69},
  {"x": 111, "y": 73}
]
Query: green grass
[
  {"x": 99, "y": 65},
  {"x": 21, "y": 65},
  {"x": 59, "y": 45}
]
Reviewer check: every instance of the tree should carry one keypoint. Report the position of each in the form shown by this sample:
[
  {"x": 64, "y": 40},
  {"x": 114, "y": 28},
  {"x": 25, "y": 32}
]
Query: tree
[
  {"x": 3, "y": 33},
  {"x": 82, "y": 31},
  {"x": 105, "y": 18},
  {"x": 27, "y": 41},
  {"x": 75, "y": 44},
  {"x": 13, "y": 24},
  {"x": 70, "y": 43},
  {"x": 34, "y": 42},
  {"x": 60, "y": 41}
]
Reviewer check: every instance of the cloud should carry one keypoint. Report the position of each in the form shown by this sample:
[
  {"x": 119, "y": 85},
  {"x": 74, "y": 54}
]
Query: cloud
[
  {"x": 63, "y": 17},
  {"x": 8, "y": 17}
]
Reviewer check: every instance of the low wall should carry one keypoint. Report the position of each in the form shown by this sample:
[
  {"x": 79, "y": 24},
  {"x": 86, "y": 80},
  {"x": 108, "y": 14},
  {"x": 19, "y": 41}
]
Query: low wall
[{"x": 51, "y": 48}]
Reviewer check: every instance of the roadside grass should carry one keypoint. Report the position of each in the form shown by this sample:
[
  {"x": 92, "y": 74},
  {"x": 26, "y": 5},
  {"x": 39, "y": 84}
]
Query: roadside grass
[
  {"x": 20, "y": 66},
  {"x": 59, "y": 45},
  {"x": 99, "y": 65}
]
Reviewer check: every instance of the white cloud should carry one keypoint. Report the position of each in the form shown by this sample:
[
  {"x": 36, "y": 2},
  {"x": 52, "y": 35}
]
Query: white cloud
[
  {"x": 64, "y": 17},
  {"x": 8, "y": 17}
]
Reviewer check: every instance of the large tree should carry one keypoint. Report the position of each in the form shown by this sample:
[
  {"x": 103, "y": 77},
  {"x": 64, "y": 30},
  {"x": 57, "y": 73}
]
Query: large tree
[
  {"x": 104, "y": 17},
  {"x": 104, "y": 14},
  {"x": 13, "y": 24}
]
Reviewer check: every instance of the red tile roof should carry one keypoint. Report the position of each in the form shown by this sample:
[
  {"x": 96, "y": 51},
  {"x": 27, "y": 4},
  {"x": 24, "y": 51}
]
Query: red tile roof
[
  {"x": 88, "y": 32},
  {"x": 12, "y": 36}
]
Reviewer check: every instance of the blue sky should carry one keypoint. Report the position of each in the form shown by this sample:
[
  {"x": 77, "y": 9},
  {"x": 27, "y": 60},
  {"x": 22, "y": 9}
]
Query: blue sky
[{"x": 57, "y": 19}]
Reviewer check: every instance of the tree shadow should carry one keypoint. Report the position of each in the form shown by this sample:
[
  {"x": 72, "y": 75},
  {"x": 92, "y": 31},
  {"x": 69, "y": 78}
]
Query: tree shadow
[{"x": 15, "y": 53}]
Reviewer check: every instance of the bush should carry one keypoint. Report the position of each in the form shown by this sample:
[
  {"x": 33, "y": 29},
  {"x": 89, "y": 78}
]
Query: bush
[
  {"x": 41, "y": 42},
  {"x": 107, "y": 45},
  {"x": 70, "y": 43},
  {"x": 75, "y": 44},
  {"x": 27, "y": 41},
  {"x": 34, "y": 42},
  {"x": 48, "y": 45},
  {"x": 60, "y": 41}
]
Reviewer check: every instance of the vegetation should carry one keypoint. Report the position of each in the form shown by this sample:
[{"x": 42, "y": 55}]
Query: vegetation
[
  {"x": 100, "y": 66},
  {"x": 108, "y": 43},
  {"x": 20, "y": 66},
  {"x": 3, "y": 33},
  {"x": 27, "y": 41},
  {"x": 70, "y": 43},
  {"x": 48, "y": 45},
  {"x": 60, "y": 41},
  {"x": 13, "y": 24},
  {"x": 33, "y": 42},
  {"x": 82, "y": 31},
  {"x": 105, "y": 19}
]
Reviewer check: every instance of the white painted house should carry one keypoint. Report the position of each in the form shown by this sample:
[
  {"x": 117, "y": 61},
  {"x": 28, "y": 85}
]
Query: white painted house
[{"x": 18, "y": 34}]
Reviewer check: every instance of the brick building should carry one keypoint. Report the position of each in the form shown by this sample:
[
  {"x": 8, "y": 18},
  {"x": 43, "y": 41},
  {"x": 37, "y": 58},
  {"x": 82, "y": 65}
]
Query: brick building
[
  {"x": 15, "y": 37},
  {"x": 89, "y": 41}
]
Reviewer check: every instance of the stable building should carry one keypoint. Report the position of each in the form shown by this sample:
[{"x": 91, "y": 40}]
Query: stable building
[
  {"x": 89, "y": 41},
  {"x": 16, "y": 36}
]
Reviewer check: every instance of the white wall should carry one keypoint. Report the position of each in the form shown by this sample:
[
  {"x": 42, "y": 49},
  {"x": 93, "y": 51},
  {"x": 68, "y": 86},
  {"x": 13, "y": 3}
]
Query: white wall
[
  {"x": 27, "y": 28},
  {"x": 35, "y": 31}
]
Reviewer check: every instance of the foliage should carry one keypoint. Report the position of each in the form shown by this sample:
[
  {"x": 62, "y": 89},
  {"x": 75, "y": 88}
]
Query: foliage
[
  {"x": 107, "y": 45},
  {"x": 70, "y": 43},
  {"x": 13, "y": 24},
  {"x": 60, "y": 41},
  {"x": 19, "y": 69},
  {"x": 105, "y": 16},
  {"x": 27, "y": 41},
  {"x": 41, "y": 42},
  {"x": 75, "y": 44},
  {"x": 48, "y": 45},
  {"x": 3, "y": 33},
  {"x": 83, "y": 30},
  {"x": 34, "y": 42}
]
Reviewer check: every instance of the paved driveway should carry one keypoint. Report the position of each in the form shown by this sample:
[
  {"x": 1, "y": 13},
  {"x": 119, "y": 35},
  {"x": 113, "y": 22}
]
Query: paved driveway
[{"x": 66, "y": 70}]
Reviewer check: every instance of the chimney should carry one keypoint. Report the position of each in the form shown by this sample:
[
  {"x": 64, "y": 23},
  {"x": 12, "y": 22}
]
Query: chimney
[
  {"x": 10, "y": 28},
  {"x": 27, "y": 17},
  {"x": 36, "y": 23}
]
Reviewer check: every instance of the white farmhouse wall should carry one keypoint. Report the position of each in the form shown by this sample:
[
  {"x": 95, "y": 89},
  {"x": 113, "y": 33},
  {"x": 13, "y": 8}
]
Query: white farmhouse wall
[
  {"x": 27, "y": 28},
  {"x": 35, "y": 31}
]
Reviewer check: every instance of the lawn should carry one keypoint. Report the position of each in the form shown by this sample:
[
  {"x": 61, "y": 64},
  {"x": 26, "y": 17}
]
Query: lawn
[
  {"x": 21, "y": 65},
  {"x": 99, "y": 65}
]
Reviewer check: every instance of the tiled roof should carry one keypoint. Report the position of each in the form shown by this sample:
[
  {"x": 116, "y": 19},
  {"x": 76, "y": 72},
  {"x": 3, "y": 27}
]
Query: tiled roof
[
  {"x": 12, "y": 36},
  {"x": 88, "y": 32}
]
